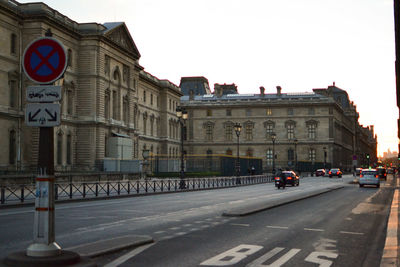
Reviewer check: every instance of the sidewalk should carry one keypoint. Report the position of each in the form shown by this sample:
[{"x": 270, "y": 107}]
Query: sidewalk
[{"x": 390, "y": 255}]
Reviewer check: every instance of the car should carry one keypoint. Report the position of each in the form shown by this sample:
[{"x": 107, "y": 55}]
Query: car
[
  {"x": 369, "y": 177},
  {"x": 335, "y": 172},
  {"x": 381, "y": 172},
  {"x": 291, "y": 178},
  {"x": 358, "y": 171},
  {"x": 320, "y": 172}
]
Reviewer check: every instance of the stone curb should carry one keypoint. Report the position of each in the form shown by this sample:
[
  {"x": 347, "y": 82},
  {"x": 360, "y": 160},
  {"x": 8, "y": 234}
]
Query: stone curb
[
  {"x": 107, "y": 246},
  {"x": 261, "y": 206}
]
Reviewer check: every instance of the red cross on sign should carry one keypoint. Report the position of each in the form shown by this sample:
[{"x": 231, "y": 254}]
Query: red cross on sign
[{"x": 44, "y": 60}]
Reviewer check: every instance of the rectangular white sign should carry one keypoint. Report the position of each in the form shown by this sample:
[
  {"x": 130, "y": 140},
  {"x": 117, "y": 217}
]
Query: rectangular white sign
[
  {"x": 43, "y": 93},
  {"x": 42, "y": 114}
]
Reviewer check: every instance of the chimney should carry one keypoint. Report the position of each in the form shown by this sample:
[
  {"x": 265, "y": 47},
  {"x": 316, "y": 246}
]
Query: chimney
[
  {"x": 279, "y": 90},
  {"x": 218, "y": 90},
  {"x": 262, "y": 90}
]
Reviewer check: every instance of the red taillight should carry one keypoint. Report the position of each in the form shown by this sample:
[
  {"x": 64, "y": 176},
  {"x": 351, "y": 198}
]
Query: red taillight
[
  {"x": 289, "y": 178},
  {"x": 385, "y": 174},
  {"x": 361, "y": 176},
  {"x": 377, "y": 176},
  {"x": 330, "y": 172},
  {"x": 277, "y": 178}
]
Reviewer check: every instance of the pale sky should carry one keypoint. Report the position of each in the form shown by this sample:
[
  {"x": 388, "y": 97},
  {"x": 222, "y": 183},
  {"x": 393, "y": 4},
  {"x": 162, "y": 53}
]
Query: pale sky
[{"x": 297, "y": 44}]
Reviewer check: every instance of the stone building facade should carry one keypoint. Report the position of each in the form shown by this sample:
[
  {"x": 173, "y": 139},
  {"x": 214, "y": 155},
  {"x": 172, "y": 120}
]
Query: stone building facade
[
  {"x": 312, "y": 129},
  {"x": 108, "y": 100}
]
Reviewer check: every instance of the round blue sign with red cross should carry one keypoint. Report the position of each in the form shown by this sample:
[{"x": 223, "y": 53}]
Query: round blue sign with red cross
[{"x": 44, "y": 60}]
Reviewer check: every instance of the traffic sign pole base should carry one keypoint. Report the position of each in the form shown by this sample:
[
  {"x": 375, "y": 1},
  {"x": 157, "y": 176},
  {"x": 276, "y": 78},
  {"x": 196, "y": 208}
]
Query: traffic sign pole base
[
  {"x": 43, "y": 250},
  {"x": 65, "y": 258}
]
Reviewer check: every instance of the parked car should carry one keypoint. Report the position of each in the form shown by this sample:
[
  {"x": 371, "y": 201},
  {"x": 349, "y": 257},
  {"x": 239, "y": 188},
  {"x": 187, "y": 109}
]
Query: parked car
[
  {"x": 369, "y": 177},
  {"x": 291, "y": 178},
  {"x": 381, "y": 172},
  {"x": 320, "y": 172},
  {"x": 358, "y": 171},
  {"x": 335, "y": 172}
]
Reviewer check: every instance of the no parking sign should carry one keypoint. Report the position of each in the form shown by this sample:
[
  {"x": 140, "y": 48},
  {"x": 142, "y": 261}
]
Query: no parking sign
[{"x": 44, "y": 60}]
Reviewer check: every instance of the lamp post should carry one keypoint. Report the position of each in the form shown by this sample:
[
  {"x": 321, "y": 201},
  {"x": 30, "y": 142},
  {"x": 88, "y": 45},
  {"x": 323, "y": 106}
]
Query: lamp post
[
  {"x": 182, "y": 115},
  {"x": 324, "y": 158},
  {"x": 273, "y": 137},
  {"x": 295, "y": 153},
  {"x": 238, "y": 129}
]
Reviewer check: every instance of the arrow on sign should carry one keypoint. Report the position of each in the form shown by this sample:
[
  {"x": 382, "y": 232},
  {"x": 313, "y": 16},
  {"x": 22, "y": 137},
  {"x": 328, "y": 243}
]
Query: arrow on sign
[
  {"x": 53, "y": 118},
  {"x": 32, "y": 118}
]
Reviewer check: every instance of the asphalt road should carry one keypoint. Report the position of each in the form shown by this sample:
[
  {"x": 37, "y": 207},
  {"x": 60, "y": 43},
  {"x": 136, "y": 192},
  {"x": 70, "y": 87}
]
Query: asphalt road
[{"x": 344, "y": 227}]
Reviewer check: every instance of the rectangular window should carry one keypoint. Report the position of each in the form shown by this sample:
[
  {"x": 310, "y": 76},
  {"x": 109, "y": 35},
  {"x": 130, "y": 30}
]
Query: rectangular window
[
  {"x": 209, "y": 132},
  {"x": 270, "y": 157},
  {"x": 268, "y": 112},
  {"x": 13, "y": 44},
  {"x": 290, "y": 154},
  {"x": 151, "y": 99},
  {"x": 115, "y": 105},
  {"x": 248, "y": 112},
  {"x": 228, "y": 132},
  {"x": 269, "y": 128},
  {"x": 144, "y": 96},
  {"x": 12, "y": 147},
  {"x": 209, "y": 112},
  {"x": 59, "y": 149},
  {"x": 228, "y": 112},
  {"x": 170, "y": 105},
  {"x": 311, "y": 111},
  {"x": 312, "y": 155},
  {"x": 249, "y": 132},
  {"x": 312, "y": 131},
  {"x": 290, "y": 111},
  {"x": 290, "y": 131},
  {"x": 13, "y": 93},
  {"x": 69, "y": 149}
]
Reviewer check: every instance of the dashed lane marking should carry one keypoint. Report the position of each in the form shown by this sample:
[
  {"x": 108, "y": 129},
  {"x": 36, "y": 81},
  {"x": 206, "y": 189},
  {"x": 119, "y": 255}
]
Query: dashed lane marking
[
  {"x": 240, "y": 224},
  {"x": 159, "y": 232},
  {"x": 315, "y": 230},
  {"x": 351, "y": 233},
  {"x": 277, "y": 227}
]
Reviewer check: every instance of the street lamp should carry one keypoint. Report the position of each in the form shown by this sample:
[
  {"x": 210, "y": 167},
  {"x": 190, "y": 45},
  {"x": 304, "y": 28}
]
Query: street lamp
[
  {"x": 295, "y": 153},
  {"x": 325, "y": 158},
  {"x": 273, "y": 137},
  {"x": 182, "y": 115},
  {"x": 238, "y": 129}
]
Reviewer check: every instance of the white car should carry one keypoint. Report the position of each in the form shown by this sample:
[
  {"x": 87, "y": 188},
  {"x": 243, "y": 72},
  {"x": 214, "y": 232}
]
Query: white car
[{"x": 369, "y": 177}]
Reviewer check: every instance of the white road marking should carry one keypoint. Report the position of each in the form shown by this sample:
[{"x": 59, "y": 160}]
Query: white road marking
[
  {"x": 313, "y": 257},
  {"x": 351, "y": 233},
  {"x": 199, "y": 222},
  {"x": 205, "y": 226},
  {"x": 315, "y": 230},
  {"x": 127, "y": 256},
  {"x": 264, "y": 258},
  {"x": 174, "y": 228},
  {"x": 181, "y": 233},
  {"x": 232, "y": 256},
  {"x": 166, "y": 237},
  {"x": 277, "y": 227},
  {"x": 194, "y": 229},
  {"x": 187, "y": 225},
  {"x": 240, "y": 224},
  {"x": 159, "y": 232}
]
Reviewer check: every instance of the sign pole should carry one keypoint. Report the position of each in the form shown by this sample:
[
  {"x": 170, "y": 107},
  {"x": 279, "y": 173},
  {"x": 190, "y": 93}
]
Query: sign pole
[{"x": 44, "y": 222}]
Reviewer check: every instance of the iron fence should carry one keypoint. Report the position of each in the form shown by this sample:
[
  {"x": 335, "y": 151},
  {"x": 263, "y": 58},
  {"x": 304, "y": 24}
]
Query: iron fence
[{"x": 14, "y": 194}]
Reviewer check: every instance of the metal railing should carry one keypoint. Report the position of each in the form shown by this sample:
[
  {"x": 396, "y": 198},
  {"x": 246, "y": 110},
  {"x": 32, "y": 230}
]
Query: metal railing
[{"x": 26, "y": 193}]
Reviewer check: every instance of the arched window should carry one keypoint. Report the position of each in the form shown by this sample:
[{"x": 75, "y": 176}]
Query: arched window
[
  {"x": 125, "y": 107},
  {"x": 59, "y": 148},
  {"x": 69, "y": 149},
  {"x": 12, "y": 147},
  {"x": 107, "y": 104}
]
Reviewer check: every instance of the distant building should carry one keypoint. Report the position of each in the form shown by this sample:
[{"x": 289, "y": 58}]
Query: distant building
[{"x": 306, "y": 126}]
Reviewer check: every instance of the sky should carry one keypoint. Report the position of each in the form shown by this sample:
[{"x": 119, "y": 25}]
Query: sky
[{"x": 296, "y": 44}]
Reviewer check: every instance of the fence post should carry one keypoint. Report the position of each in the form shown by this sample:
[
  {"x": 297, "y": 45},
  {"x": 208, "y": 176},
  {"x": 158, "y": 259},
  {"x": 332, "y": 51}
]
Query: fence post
[
  {"x": 70, "y": 189},
  {"x": 119, "y": 187},
  {"x": 129, "y": 187},
  {"x": 3, "y": 192},
  {"x": 22, "y": 193},
  {"x": 169, "y": 185},
  {"x": 162, "y": 185},
  {"x": 97, "y": 189},
  {"x": 55, "y": 191},
  {"x": 154, "y": 188},
  {"x": 146, "y": 188},
  {"x": 84, "y": 190},
  {"x": 108, "y": 188},
  {"x": 137, "y": 186}
]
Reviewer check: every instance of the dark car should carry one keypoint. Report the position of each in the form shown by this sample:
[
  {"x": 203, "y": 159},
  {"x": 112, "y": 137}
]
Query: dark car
[
  {"x": 382, "y": 173},
  {"x": 335, "y": 172},
  {"x": 291, "y": 178},
  {"x": 358, "y": 171},
  {"x": 320, "y": 172}
]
